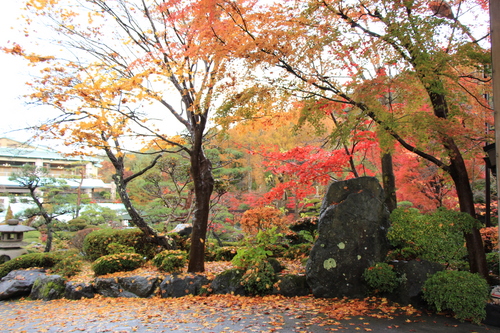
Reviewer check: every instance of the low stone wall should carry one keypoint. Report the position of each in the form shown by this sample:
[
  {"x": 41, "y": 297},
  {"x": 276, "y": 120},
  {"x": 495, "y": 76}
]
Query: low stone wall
[{"x": 38, "y": 285}]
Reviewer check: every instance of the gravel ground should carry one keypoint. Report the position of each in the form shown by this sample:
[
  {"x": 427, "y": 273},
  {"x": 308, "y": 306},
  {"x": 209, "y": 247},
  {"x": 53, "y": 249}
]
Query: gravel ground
[{"x": 220, "y": 313}]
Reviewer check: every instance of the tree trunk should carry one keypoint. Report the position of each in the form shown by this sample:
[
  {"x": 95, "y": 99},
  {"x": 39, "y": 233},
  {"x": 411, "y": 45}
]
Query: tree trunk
[
  {"x": 50, "y": 237},
  {"x": 389, "y": 181},
  {"x": 137, "y": 219},
  {"x": 460, "y": 176},
  {"x": 201, "y": 173},
  {"x": 45, "y": 215},
  {"x": 474, "y": 243},
  {"x": 79, "y": 194}
]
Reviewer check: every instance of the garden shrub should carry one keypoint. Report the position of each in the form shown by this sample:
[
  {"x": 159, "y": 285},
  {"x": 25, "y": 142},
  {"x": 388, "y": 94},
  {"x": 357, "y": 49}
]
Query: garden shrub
[
  {"x": 115, "y": 248},
  {"x": 69, "y": 264},
  {"x": 492, "y": 261},
  {"x": 96, "y": 243},
  {"x": 490, "y": 238},
  {"x": 437, "y": 237},
  {"x": 298, "y": 251},
  {"x": 381, "y": 278},
  {"x": 77, "y": 224},
  {"x": 225, "y": 253},
  {"x": 182, "y": 242},
  {"x": 259, "y": 275},
  {"x": 304, "y": 230},
  {"x": 79, "y": 237},
  {"x": 42, "y": 260},
  {"x": 462, "y": 292},
  {"x": 259, "y": 279},
  {"x": 277, "y": 250},
  {"x": 120, "y": 262},
  {"x": 262, "y": 218},
  {"x": 210, "y": 249},
  {"x": 170, "y": 260}
]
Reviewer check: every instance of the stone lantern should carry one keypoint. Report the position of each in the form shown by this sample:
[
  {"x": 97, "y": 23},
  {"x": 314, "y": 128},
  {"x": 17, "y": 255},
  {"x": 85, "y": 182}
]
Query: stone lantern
[{"x": 11, "y": 240}]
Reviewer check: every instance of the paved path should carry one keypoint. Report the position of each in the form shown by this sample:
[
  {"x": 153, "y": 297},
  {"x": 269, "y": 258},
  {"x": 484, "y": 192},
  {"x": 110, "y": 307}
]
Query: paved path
[{"x": 223, "y": 313}]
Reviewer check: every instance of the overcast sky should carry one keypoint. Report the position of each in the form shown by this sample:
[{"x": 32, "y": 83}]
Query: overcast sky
[
  {"x": 14, "y": 74},
  {"x": 15, "y": 112}
]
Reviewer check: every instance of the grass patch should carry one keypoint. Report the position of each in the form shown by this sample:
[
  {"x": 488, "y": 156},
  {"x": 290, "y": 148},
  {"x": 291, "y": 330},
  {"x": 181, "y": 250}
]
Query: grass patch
[{"x": 32, "y": 236}]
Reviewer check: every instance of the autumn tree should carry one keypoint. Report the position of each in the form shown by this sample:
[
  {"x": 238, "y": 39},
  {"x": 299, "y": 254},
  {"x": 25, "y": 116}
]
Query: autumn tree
[
  {"x": 297, "y": 173},
  {"x": 438, "y": 59},
  {"x": 161, "y": 56}
]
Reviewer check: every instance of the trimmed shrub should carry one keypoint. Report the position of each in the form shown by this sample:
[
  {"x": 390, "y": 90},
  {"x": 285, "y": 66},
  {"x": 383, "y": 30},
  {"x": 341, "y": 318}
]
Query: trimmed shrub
[
  {"x": 437, "y": 237},
  {"x": 115, "y": 248},
  {"x": 170, "y": 260},
  {"x": 96, "y": 243},
  {"x": 462, "y": 292},
  {"x": 69, "y": 263},
  {"x": 259, "y": 279},
  {"x": 77, "y": 224},
  {"x": 43, "y": 260},
  {"x": 121, "y": 262},
  {"x": 381, "y": 278}
]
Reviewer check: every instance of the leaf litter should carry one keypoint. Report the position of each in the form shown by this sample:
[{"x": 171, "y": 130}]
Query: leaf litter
[{"x": 212, "y": 313}]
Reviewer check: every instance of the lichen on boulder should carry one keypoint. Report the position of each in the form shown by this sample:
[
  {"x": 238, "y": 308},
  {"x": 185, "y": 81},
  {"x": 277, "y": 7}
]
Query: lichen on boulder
[{"x": 352, "y": 236}]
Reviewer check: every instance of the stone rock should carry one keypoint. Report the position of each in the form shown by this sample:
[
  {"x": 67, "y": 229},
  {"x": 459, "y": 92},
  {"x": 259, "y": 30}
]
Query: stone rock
[
  {"x": 290, "y": 285},
  {"x": 19, "y": 283},
  {"x": 79, "y": 290},
  {"x": 412, "y": 275},
  {"x": 228, "y": 282},
  {"x": 140, "y": 285},
  {"x": 183, "y": 229},
  {"x": 352, "y": 236},
  {"x": 130, "y": 287},
  {"x": 179, "y": 286},
  {"x": 110, "y": 287},
  {"x": 276, "y": 265},
  {"x": 48, "y": 287}
]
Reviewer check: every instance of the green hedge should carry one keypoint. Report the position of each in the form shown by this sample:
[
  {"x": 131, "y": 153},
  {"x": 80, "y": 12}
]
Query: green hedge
[
  {"x": 96, "y": 243},
  {"x": 462, "y": 292},
  {"x": 437, "y": 237},
  {"x": 120, "y": 262},
  {"x": 170, "y": 260},
  {"x": 381, "y": 278},
  {"x": 43, "y": 260}
]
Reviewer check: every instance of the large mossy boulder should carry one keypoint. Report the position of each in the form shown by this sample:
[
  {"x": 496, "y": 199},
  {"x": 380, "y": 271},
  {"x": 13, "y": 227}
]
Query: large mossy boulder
[
  {"x": 48, "y": 287},
  {"x": 352, "y": 236},
  {"x": 19, "y": 283},
  {"x": 228, "y": 282}
]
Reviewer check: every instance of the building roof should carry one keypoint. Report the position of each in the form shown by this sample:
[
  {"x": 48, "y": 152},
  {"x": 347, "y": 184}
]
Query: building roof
[
  {"x": 88, "y": 183},
  {"x": 14, "y": 149},
  {"x": 38, "y": 153}
]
